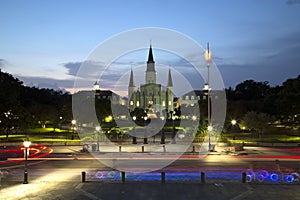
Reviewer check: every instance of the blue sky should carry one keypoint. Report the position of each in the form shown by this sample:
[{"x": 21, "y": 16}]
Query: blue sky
[{"x": 42, "y": 42}]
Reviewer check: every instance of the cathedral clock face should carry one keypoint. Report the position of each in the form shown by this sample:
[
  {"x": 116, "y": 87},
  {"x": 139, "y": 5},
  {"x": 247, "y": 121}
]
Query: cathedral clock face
[{"x": 151, "y": 94}]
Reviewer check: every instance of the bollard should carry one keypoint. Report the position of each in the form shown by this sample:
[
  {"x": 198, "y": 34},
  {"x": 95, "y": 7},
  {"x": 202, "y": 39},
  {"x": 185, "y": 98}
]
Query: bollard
[
  {"x": 120, "y": 148},
  {"x": 193, "y": 149},
  {"x": 244, "y": 177},
  {"x": 143, "y": 149},
  {"x": 164, "y": 148},
  {"x": 163, "y": 177},
  {"x": 83, "y": 176},
  {"x": 202, "y": 177},
  {"x": 123, "y": 177}
]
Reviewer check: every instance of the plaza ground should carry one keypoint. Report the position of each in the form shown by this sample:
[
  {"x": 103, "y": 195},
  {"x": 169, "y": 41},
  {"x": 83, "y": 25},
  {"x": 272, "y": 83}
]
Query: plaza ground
[{"x": 58, "y": 176}]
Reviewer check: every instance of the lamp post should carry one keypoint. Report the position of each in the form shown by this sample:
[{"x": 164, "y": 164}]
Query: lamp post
[
  {"x": 145, "y": 138},
  {"x": 98, "y": 128},
  {"x": 26, "y": 145},
  {"x": 207, "y": 57},
  {"x": 73, "y": 126},
  {"x": 162, "y": 139},
  {"x": 134, "y": 138},
  {"x": 173, "y": 129},
  {"x": 233, "y": 123}
]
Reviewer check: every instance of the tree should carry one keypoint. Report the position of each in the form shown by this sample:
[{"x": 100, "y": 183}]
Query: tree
[
  {"x": 257, "y": 121},
  {"x": 287, "y": 102}
]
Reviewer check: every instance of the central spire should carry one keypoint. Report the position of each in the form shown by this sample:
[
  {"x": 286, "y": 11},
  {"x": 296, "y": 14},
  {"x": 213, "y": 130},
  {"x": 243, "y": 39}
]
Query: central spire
[
  {"x": 150, "y": 71},
  {"x": 150, "y": 55}
]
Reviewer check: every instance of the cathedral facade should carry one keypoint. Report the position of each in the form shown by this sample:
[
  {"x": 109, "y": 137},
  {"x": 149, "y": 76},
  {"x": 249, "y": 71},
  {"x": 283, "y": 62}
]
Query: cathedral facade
[{"x": 151, "y": 96}]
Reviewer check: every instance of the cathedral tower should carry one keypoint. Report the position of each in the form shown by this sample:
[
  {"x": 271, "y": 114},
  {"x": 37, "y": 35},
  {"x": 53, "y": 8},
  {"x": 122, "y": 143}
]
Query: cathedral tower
[{"x": 150, "y": 71}]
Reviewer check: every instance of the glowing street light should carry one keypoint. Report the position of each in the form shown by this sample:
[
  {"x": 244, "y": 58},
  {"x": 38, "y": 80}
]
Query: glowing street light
[
  {"x": 98, "y": 128},
  {"x": 173, "y": 129},
  {"x": 162, "y": 139},
  {"x": 134, "y": 138},
  {"x": 145, "y": 138},
  {"x": 26, "y": 145},
  {"x": 233, "y": 122},
  {"x": 73, "y": 126}
]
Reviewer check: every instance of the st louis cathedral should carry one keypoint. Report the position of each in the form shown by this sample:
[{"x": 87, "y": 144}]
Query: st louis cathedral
[{"x": 151, "y": 96}]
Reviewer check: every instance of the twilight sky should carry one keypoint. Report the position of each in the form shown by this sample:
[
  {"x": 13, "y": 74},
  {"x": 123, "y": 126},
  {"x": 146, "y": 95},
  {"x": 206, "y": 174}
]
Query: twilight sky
[{"x": 44, "y": 42}]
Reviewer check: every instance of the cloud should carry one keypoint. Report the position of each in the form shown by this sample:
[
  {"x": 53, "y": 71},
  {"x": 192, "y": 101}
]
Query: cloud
[
  {"x": 43, "y": 82},
  {"x": 292, "y": 2},
  {"x": 72, "y": 67},
  {"x": 3, "y": 63}
]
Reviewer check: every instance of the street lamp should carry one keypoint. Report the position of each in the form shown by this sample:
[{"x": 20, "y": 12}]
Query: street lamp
[
  {"x": 134, "y": 138},
  {"x": 162, "y": 139},
  {"x": 26, "y": 145},
  {"x": 173, "y": 129},
  {"x": 73, "y": 125},
  {"x": 207, "y": 57},
  {"x": 98, "y": 128},
  {"x": 145, "y": 138},
  {"x": 233, "y": 122}
]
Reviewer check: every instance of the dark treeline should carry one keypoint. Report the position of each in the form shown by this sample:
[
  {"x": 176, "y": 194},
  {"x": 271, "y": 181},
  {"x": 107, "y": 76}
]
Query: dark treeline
[
  {"x": 24, "y": 107},
  {"x": 281, "y": 104}
]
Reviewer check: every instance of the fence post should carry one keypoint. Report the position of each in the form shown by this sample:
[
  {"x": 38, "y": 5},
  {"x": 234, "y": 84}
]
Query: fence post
[
  {"x": 120, "y": 148},
  {"x": 193, "y": 149},
  {"x": 143, "y": 149},
  {"x": 163, "y": 177},
  {"x": 164, "y": 148},
  {"x": 244, "y": 177},
  {"x": 123, "y": 177},
  {"x": 202, "y": 177},
  {"x": 83, "y": 177}
]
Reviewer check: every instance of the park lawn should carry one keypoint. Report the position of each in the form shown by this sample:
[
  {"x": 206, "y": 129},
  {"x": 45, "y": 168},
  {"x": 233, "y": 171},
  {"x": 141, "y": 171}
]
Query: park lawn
[
  {"x": 269, "y": 139},
  {"x": 47, "y": 130}
]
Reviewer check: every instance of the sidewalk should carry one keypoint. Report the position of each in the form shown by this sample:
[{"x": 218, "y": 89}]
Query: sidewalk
[{"x": 146, "y": 190}]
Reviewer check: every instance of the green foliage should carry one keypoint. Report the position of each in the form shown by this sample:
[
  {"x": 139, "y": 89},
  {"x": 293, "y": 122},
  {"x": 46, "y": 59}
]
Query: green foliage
[
  {"x": 257, "y": 121},
  {"x": 24, "y": 107}
]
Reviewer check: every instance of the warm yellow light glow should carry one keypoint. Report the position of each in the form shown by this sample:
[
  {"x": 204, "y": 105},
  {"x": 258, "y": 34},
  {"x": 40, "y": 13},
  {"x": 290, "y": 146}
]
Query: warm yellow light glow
[
  {"x": 108, "y": 119},
  {"x": 73, "y": 121},
  {"x": 209, "y": 128},
  {"x": 173, "y": 117},
  {"x": 194, "y": 117},
  {"x": 206, "y": 87},
  {"x": 134, "y": 118},
  {"x": 233, "y": 122},
  {"x": 26, "y": 144},
  {"x": 98, "y": 128},
  {"x": 207, "y": 54},
  {"x": 145, "y": 118}
]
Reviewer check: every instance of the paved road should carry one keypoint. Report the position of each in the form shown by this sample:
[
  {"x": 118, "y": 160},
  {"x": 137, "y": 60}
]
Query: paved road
[{"x": 60, "y": 176}]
